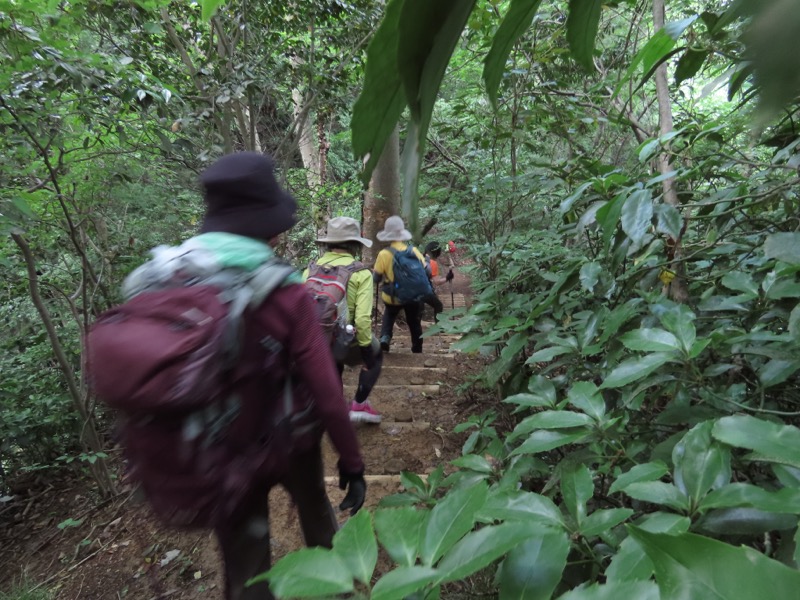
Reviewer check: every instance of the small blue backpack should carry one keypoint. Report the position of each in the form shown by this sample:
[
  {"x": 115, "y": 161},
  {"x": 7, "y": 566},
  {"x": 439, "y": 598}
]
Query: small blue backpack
[{"x": 411, "y": 282}]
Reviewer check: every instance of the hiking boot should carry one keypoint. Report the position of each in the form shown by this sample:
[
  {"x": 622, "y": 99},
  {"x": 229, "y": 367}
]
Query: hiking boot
[
  {"x": 385, "y": 341},
  {"x": 364, "y": 413}
]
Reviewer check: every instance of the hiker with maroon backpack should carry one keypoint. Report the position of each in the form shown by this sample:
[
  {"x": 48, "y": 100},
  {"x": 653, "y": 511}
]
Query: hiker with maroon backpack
[
  {"x": 224, "y": 379},
  {"x": 404, "y": 277},
  {"x": 342, "y": 287}
]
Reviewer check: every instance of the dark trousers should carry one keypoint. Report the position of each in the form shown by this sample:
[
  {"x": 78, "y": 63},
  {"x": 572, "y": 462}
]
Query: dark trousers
[
  {"x": 244, "y": 541},
  {"x": 367, "y": 378},
  {"x": 433, "y": 301},
  {"x": 413, "y": 318}
]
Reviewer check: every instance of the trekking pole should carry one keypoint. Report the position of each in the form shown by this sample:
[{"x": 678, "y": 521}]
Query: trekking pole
[
  {"x": 450, "y": 277},
  {"x": 375, "y": 310}
]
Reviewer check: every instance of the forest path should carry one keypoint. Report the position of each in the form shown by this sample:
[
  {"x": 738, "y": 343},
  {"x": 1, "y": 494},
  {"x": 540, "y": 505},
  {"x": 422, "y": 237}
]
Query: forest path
[{"x": 115, "y": 549}]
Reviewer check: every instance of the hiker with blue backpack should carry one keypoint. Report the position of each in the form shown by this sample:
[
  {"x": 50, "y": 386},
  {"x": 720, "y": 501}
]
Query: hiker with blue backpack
[
  {"x": 342, "y": 288},
  {"x": 224, "y": 379},
  {"x": 404, "y": 277}
]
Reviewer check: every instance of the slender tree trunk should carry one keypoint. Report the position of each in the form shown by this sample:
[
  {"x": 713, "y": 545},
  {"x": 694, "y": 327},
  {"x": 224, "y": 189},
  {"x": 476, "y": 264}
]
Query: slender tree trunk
[
  {"x": 89, "y": 436},
  {"x": 677, "y": 288},
  {"x": 382, "y": 199}
]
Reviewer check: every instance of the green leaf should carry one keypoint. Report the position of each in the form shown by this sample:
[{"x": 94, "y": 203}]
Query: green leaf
[
  {"x": 601, "y": 521},
  {"x": 381, "y": 101},
  {"x": 450, "y": 519},
  {"x": 517, "y": 20},
  {"x": 209, "y": 8},
  {"x": 577, "y": 488},
  {"x": 640, "y": 590},
  {"x": 689, "y": 64},
  {"x": 608, "y": 217},
  {"x": 669, "y": 220},
  {"x": 700, "y": 464},
  {"x": 738, "y": 495},
  {"x": 634, "y": 369},
  {"x": 744, "y": 521},
  {"x": 585, "y": 396},
  {"x": 532, "y": 570},
  {"x": 399, "y": 531},
  {"x": 22, "y": 206},
  {"x": 402, "y": 582},
  {"x": 547, "y": 354},
  {"x": 651, "y": 471},
  {"x": 630, "y": 563},
  {"x": 637, "y": 214},
  {"x": 582, "y": 24},
  {"x": 522, "y": 506},
  {"x": 650, "y": 340},
  {"x": 794, "y": 323},
  {"x": 550, "y": 419},
  {"x": 473, "y": 462},
  {"x": 590, "y": 275},
  {"x": 776, "y": 372},
  {"x": 693, "y": 566},
  {"x": 355, "y": 544},
  {"x": 479, "y": 549},
  {"x": 773, "y": 442},
  {"x": 544, "y": 440},
  {"x": 533, "y": 400},
  {"x": 678, "y": 319},
  {"x": 784, "y": 247},
  {"x": 308, "y": 573},
  {"x": 658, "y": 492},
  {"x": 740, "y": 282}
]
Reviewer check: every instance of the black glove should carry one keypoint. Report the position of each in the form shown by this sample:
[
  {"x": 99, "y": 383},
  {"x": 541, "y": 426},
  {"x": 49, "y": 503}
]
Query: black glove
[
  {"x": 367, "y": 356},
  {"x": 450, "y": 276},
  {"x": 356, "y": 490}
]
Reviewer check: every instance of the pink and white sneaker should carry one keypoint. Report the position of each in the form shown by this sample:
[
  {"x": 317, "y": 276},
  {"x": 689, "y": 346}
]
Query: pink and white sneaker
[{"x": 364, "y": 413}]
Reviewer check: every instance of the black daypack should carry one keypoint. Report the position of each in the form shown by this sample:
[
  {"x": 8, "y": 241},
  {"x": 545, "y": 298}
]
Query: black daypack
[{"x": 411, "y": 282}]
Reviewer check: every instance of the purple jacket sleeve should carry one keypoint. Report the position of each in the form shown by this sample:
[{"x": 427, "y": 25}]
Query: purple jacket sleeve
[{"x": 314, "y": 365}]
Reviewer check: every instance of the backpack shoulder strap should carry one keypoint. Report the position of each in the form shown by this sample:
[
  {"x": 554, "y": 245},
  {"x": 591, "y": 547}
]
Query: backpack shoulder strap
[{"x": 266, "y": 279}]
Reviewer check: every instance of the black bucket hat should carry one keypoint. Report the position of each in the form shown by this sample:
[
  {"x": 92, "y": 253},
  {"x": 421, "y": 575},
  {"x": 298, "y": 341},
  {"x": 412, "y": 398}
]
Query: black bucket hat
[{"x": 243, "y": 197}]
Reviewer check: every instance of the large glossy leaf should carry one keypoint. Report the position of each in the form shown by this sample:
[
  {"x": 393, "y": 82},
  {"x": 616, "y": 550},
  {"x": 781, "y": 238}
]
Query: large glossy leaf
[
  {"x": 585, "y": 396},
  {"x": 550, "y": 419},
  {"x": 402, "y": 582},
  {"x": 741, "y": 282},
  {"x": 772, "y": 442},
  {"x": 309, "y": 573},
  {"x": 638, "y": 590},
  {"x": 669, "y": 220},
  {"x": 355, "y": 544},
  {"x": 785, "y": 500},
  {"x": 608, "y": 217},
  {"x": 678, "y": 319},
  {"x": 776, "y": 371},
  {"x": 582, "y": 24},
  {"x": 784, "y": 247},
  {"x": 532, "y": 570},
  {"x": 544, "y": 440},
  {"x": 650, "y": 340},
  {"x": 630, "y": 563},
  {"x": 651, "y": 471},
  {"x": 522, "y": 506},
  {"x": 517, "y": 20},
  {"x": 399, "y": 531},
  {"x": 381, "y": 102},
  {"x": 577, "y": 488},
  {"x": 209, "y": 8},
  {"x": 744, "y": 521},
  {"x": 450, "y": 519},
  {"x": 479, "y": 549},
  {"x": 700, "y": 463},
  {"x": 602, "y": 521},
  {"x": 658, "y": 492},
  {"x": 637, "y": 214},
  {"x": 693, "y": 566},
  {"x": 634, "y": 369}
]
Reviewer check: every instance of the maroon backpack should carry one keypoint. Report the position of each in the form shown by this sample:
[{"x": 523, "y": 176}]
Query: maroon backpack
[
  {"x": 169, "y": 361},
  {"x": 327, "y": 285}
]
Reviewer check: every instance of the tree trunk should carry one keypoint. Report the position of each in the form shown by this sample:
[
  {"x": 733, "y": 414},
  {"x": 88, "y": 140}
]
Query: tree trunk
[
  {"x": 382, "y": 199},
  {"x": 677, "y": 288}
]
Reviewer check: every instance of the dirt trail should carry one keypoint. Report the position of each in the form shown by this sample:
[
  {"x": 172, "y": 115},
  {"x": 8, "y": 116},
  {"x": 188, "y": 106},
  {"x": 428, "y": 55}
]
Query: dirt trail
[{"x": 117, "y": 550}]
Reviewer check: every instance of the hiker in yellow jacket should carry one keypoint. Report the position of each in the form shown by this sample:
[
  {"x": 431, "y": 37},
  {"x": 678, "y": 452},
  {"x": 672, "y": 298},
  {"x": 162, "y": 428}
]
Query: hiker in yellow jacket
[
  {"x": 394, "y": 231},
  {"x": 342, "y": 244}
]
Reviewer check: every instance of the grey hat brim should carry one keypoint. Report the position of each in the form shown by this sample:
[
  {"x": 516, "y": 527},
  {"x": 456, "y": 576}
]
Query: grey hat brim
[
  {"x": 333, "y": 240},
  {"x": 394, "y": 236}
]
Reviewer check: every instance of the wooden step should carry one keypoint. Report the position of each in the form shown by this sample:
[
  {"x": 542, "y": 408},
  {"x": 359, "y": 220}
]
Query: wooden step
[
  {"x": 397, "y": 375},
  {"x": 395, "y": 392},
  {"x": 407, "y": 359}
]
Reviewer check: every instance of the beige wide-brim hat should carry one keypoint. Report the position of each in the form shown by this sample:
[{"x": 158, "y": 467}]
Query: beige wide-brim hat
[
  {"x": 394, "y": 231},
  {"x": 344, "y": 229}
]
